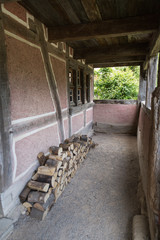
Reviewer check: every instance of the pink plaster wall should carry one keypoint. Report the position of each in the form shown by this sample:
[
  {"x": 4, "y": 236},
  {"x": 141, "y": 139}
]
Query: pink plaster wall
[
  {"x": 89, "y": 115},
  {"x": 28, "y": 148},
  {"x": 77, "y": 122},
  {"x": 16, "y": 9},
  {"x": 66, "y": 127},
  {"x": 118, "y": 114},
  {"x": 30, "y": 93},
  {"x": 59, "y": 68}
]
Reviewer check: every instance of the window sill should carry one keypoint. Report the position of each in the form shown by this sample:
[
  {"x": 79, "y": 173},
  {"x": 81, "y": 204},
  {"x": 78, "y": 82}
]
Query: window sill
[{"x": 79, "y": 108}]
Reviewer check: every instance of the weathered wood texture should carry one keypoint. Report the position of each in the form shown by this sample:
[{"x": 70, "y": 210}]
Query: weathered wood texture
[
  {"x": 151, "y": 79},
  {"x": 154, "y": 47},
  {"x": 119, "y": 50},
  {"x": 114, "y": 59},
  {"x": 142, "y": 85},
  {"x": 110, "y": 28},
  {"x": 114, "y": 64},
  {"x": 49, "y": 181},
  {"x": 5, "y": 116}
]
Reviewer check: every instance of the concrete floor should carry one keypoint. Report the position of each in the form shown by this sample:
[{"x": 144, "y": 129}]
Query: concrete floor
[{"x": 100, "y": 201}]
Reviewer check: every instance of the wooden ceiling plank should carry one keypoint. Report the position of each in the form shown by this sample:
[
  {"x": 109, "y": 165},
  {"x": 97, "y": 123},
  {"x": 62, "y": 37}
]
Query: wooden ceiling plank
[
  {"x": 109, "y": 28},
  {"x": 154, "y": 48},
  {"x": 118, "y": 50},
  {"x": 117, "y": 59},
  {"x": 93, "y": 14},
  {"x": 60, "y": 10},
  {"x": 65, "y": 4}
]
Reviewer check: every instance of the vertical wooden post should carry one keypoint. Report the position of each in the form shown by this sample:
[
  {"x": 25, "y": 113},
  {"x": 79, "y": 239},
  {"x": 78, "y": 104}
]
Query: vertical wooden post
[
  {"x": 142, "y": 85},
  {"x": 76, "y": 86},
  {"x": 84, "y": 85},
  {"x": 5, "y": 116},
  {"x": 151, "y": 79},
  {"x": 68, "y": 89},
  {"x": 158, "y": 81}
]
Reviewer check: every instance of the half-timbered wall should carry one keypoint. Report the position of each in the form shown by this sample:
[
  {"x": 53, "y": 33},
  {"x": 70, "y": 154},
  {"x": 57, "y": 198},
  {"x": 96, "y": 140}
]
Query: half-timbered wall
[{"x": 40, "y": 114}]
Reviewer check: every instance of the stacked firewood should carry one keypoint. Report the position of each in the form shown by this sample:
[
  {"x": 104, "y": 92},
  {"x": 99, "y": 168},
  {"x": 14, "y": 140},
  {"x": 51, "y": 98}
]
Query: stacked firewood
[{"x": 55, "y": 171}]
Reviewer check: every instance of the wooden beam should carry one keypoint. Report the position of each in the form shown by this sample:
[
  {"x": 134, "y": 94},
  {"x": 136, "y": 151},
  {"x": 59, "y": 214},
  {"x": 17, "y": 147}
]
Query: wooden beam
[
  {"x": 109, "y": 28},
  {"x": 6, "y": 1},
  {"x": 112, "y": 64},
  {"x": 117, "y": 59},
  {"x": 93, "y": 14},
  {"x": 153, "y": 49},
  {"x": 122, "y": 50}
]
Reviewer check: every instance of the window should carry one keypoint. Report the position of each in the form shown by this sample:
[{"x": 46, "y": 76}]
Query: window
[
  {"x": 79, "y": 95},
  {"x": 71, "y": 95},
  {"x": 79, "y": 78},
  {"x": 72, "y": 84}
]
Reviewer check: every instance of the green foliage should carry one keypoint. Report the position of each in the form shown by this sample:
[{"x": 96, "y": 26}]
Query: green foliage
[{"x": 116, "y": 83}]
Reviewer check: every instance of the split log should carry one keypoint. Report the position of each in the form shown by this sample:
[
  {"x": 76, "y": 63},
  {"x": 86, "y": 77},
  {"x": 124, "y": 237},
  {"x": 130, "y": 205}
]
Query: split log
[
  {"x": 39, "y": 186},
  {"x": 55, "y": 157},
  {"x": 53, "y": 163},
  {"x": 84, "y": 138},
  {"x": 41, "y": 158},
  {"x": 40, "y": 197},
  {"x": 35, "y": 176},
  {"x": 28, "y": 207},
  {"x": 43, "y": 207},
  {"x": 24, "y": 194},
  {"x": 55, "y": 150},
  {"x": 63, "y": 155},
  {"x": 67, "y": 146},
  {"x": 55, "y": 185},
  {"x": 46, "y": 179},
  {"x": 44, "y": 170}
]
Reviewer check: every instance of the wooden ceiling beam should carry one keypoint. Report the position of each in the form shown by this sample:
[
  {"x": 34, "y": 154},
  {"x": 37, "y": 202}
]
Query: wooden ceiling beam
[
  {"x": 109, "y": 28},
  {"x": 6, "y": 1},
  {"x": 104, "y": 65},
  {"x": 131, "y": 49},
  {"x": 117, "y": 59},
  {"x": 153, "y": 49}
]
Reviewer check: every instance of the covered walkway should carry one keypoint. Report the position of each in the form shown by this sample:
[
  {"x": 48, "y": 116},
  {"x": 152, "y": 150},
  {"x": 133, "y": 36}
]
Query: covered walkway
[{"x": 100, "y": 201}]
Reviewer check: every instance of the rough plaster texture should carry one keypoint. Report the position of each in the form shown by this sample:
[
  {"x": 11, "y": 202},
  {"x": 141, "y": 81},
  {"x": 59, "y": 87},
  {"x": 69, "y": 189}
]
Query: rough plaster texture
[
  {"x": 120, "y": 114},
  {"x": 66, "y": 127},
  {"x": 100, "y": 201},
  {"x": 59, "y": 69},
  {"x": 28, "y": 148},
  {"x": 28, "y": 83},
  {"x": 16, "y": 9},
  {"x": 89, "y": 115},
  {"x": 77, "y": 122}
]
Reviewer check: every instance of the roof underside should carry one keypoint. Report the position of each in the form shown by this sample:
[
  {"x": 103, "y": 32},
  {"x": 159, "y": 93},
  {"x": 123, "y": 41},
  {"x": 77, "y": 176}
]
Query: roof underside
[{"x": 104, "y": 32}]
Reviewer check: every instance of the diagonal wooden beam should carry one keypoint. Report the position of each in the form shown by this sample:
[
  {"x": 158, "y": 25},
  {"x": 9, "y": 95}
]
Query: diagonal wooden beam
[
  {"x": 117, "y": 59},
  {"x": 112, "y": 64},
  {"x": 109, "y": 28},
  {"x": 153, "y": 49},
  {"x": 117, "y": 50}
]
